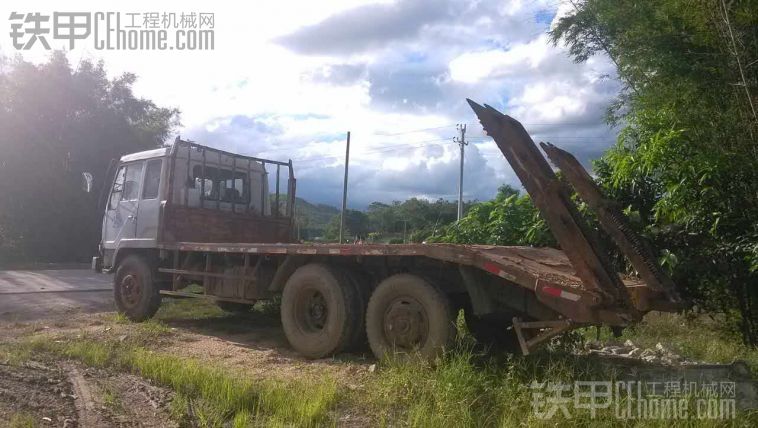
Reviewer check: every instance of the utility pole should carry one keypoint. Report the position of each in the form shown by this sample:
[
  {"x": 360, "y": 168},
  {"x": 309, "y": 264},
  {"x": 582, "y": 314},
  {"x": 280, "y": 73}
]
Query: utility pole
[
  {"x": 461, "y": 142},
  {"x": 344, "y": 188}
]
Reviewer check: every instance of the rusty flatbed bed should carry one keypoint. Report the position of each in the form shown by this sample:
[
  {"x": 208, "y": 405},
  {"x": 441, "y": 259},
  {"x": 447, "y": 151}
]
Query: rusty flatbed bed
[
  {"x": 545, "y": 271},
  {"x": 525, "y": 266}
]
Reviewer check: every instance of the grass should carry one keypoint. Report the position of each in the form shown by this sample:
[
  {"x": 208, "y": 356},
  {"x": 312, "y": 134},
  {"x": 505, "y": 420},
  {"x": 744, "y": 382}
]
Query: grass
[
  {"x": 700, "y": 338},
  {"x": 463, "y": 388},
  {"x": 199, "y": 309},
  {"x": 188, "y": 309},
  {"x": 22, "y": 420},
  {"x": 212, "y": 394},
  {"x": 14, "y": 355},
  {"x": 112, "y": 399},
  {"x": 468, "y": 389}
]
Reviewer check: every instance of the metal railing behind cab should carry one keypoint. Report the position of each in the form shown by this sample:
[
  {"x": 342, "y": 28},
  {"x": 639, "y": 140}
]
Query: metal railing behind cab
[{"x": 248, "y": 163}]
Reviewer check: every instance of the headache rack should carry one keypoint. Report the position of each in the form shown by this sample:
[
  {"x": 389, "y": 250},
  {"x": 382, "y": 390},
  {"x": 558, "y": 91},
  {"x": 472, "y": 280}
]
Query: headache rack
[{"x": 238, "y": 163}]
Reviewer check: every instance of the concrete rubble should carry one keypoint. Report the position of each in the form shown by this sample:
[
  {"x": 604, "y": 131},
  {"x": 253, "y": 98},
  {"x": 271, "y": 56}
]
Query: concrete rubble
[{"x": 657, "y": 355}]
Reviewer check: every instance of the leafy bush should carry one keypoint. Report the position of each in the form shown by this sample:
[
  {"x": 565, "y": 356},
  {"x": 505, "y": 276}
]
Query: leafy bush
[{"x": 509, "y": 219}]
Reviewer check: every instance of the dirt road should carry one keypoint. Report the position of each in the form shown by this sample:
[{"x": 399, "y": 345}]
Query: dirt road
[{"x": 36, "y": 294}]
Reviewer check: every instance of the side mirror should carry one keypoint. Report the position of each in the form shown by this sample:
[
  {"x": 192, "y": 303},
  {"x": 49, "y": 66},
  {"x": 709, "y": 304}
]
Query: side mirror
[{"x": 87, "y": 182}]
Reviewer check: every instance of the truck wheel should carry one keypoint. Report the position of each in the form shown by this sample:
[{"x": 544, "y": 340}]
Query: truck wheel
[
  {"x": 362, "y": 285},
  {"x": 136, "y": 294},
  {"x": 492, "y": 331},
  {"x": 407, "y": 314},
  {"x": 320, "y": 310},
  {"x": 234, "y": 307}
]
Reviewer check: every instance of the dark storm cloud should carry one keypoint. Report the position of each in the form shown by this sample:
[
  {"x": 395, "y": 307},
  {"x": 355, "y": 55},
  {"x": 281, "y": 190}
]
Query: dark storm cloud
[
  {"x": 406, "y": 87},
  {"x": 366, "y": 27},
  {"x": 426, "y": 176},
  {"x": 448, "y": 24}
]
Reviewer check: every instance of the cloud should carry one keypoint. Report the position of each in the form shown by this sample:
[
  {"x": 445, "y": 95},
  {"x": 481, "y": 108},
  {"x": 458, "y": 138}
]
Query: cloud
[
  {"x": 338, "y": 74},
  {"x": 520, "y": 59},
  {"x": 368, "y": 27},
  {"x": 285, "y": 85},
  {"x": 426, "y": 66}
]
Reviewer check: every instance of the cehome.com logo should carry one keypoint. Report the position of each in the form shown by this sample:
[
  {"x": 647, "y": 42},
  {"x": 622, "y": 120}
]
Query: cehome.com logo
[{"x": 114, "y": 30}]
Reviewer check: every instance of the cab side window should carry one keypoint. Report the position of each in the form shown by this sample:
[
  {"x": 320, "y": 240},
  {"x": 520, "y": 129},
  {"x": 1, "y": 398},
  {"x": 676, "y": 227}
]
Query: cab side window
[
  {"x": 126, "y": 184},
  {"x": 131, "y": 183},
  {"x": 118, "y": 188},
  {"x": 152, "y": 179}
]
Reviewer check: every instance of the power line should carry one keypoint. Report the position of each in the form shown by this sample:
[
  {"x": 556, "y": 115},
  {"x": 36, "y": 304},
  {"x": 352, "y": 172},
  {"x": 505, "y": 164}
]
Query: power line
[
  {"x": 413, "y": 131},
  {"x": 415, "y": 145},
  {"x": 380, "y": 149}
]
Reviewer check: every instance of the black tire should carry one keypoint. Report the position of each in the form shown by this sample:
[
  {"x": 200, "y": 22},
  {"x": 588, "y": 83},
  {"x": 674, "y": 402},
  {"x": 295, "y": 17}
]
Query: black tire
[
  {"x": 136, "y": 293},
  {"x": 320, "y": 310},
  {"x": 406, "y": 314},
  {"x": 492, "y": 332},
  {"x": 234, "y": 307},
  {"x": 362, "y": 285}
]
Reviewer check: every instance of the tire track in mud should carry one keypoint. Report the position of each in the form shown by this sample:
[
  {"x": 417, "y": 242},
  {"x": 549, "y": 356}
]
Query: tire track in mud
[{"x": 85, "y": 402}]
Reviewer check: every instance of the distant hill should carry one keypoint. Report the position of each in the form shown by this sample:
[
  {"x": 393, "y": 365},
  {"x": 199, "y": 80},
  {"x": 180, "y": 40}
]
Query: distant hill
[
  {"x": 311, "y": 218},
  {"x": 316, "y": 215}
]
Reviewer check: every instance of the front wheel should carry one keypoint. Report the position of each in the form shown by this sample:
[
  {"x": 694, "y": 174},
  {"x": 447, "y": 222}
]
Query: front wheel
[
  {"x": 406, "y": 314},
  {"x": 136, "y": 294}
]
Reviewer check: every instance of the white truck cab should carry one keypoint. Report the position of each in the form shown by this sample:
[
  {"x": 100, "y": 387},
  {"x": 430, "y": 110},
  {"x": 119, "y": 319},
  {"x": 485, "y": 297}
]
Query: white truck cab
[
  {"x": 202, "y": 178},
  {"x": 133, "y": 206}
]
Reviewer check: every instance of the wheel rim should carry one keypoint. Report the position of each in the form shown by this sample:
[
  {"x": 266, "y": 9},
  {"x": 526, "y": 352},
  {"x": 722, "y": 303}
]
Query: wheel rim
[
  {"x": 311, "y": 311},
  {"x": 405, "y": 324},
  {"x": 131, "y": 290}
]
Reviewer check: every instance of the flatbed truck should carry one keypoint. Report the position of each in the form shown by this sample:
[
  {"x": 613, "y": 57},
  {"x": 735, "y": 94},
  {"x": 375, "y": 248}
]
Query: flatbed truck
[{"x": 191, "y": 214}]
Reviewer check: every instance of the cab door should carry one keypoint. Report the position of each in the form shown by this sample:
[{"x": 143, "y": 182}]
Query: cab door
[
  {"x": 150, "y": 202},
  {"x": 123, "y": 203}
]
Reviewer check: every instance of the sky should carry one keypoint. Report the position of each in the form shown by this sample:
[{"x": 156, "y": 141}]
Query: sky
[{"x": 288, "y": 79}]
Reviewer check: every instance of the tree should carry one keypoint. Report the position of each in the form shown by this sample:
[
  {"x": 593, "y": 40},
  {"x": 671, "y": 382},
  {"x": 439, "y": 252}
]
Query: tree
[
  {"x": 57, "y": 123},
  {"x": 509, "y": 219},
  {"x": 686, "y": 162},
  {"x": 382, "y": 217},
  {"x": 356, "y": 224}
]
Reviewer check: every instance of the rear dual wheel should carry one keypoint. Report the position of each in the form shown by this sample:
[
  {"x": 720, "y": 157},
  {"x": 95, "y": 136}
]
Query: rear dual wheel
[
  {"x": 407, "y": 315},
  {"x": 322, "y": 311}
]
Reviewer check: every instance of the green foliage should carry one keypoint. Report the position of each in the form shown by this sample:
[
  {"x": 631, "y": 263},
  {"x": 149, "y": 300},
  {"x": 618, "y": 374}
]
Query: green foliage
[
  {"x": 419, "y": 219},
  {"x": 312, "y": 219},
  {"x": 58, "y": 122},
  {"x": 686, "y": 163},
  {"x": 414, "y": 220},
  {"x": 509, "y": 219},
  {"x": 356, "y": 225}
]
